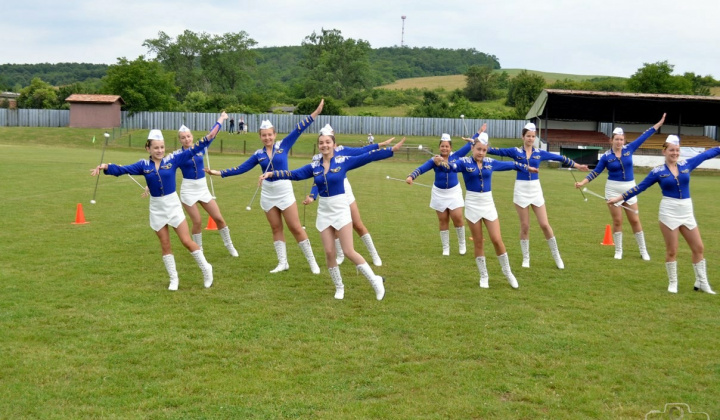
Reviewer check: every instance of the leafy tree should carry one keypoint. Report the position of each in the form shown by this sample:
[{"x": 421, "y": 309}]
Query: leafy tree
[
  {"x": 336, "y": 67},
  {"x": 143, "y": 85},
  {"x": 658, "y": 78},
  {"x": 483, "y": 84},
  {"x": 196, "y": 101},
  {"x": 39, "y": 95},
  {"x": 308, "y": 105},
  {"x": 524, "y": 89}
]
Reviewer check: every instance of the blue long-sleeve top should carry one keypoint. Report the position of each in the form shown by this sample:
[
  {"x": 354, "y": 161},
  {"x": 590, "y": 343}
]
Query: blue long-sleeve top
[
  {"x": 332, "y": 183},
  {"x": 160, "y": 181},
  {"x": 480, "y": 179},
  {"x": 342, "y": 151},
  {"x": 672, "y": 186},
  {"x": 620, "y": 169},
  {"x": 280, "y": 153},
  {"x": 443, "y": 179},
  {"x": 536, "y": 157}
]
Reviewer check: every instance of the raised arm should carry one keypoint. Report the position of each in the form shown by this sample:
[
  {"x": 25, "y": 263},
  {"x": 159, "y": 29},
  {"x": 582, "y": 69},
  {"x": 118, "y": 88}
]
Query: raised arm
[
  {"x": 218, "y": 126},
  {"x": 635, "y": 144},
  {"x": 695, "y": 161}
]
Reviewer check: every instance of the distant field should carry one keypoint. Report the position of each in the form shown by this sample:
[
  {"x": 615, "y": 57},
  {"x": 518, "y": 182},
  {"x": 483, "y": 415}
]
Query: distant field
[{"x": 715, "y": 91}]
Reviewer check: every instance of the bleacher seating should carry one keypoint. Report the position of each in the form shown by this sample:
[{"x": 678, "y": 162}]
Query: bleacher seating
[
  {"x": 593, "y": 138},
  {"x": 657, "y": 141}
]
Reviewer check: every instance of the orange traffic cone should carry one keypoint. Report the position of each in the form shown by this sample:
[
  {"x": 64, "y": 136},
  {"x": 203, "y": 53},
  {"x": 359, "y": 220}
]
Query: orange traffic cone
[
  {"x": 608, "y": 239},
  {"x": 79, "y": 216},
  {"x": 211, "y": 224}
]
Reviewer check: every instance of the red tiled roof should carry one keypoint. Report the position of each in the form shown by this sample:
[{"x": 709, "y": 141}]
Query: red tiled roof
[{"x": 103, "y": 99}]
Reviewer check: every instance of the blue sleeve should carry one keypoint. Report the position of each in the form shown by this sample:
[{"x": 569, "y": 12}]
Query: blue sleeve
[
  {"x": 508, "y": 165},
  {"x": 364, "y": 159},
  {"x": 244, "y": 167},
  {"x": 213, "y": 133},
  {"x": 507, "y": 152},
  {"x": 461, "y": 151},
  {"x": 695, "y": 161},
  {"x": 354, "y": 151},
  {"x": 288, "y": 142},
  {"x": 422, "y": 169},
  {"x": 303, "y": 172},
  {"x": 646, "y": 183},
  {"x": 180, "y": 156},
  {"x": 598, "y": 169},
  {"x": 117, "y": 170},
  {"x": 314, "y": 192},
  {"x": 635, "y": 144},
  {"x": 544, "y": 155}
]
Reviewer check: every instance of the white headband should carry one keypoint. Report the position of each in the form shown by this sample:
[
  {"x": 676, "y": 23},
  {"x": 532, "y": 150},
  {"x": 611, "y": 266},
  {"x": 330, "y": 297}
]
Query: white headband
[
  {"x": 619, "y": 131},
  {"x": 445, "y": 137},
  {"x": 483, "y": 138},
  {"x": 155, "y": 135},
  {"x": 183, "y": 129},
  {"x": 673, "y": 139},
  {"x": 530, "y": 127},
  {"x": 327, "y": 131},
  {"x": 265, "y": 125}
]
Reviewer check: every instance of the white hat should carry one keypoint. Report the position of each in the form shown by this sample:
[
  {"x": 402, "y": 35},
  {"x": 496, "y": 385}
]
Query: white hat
[
  {"x": 673, "y": 139},
  {"x": 619, "y": 131},
  {"x": 183, "y": 129},
  {"x": 445, "y": 137},
  {"x": 530, "y": 127},
  {"x": 265, "y": 125},
  {"x": 327, "y": 130},
  {"x": 483, "y": 138},
  {"x": 155, "y": 135}
]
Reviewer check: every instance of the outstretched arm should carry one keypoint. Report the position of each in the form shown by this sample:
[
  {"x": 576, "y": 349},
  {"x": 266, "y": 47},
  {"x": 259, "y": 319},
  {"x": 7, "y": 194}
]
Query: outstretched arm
[
  {"x": 635, "y": 144},
  {"x": 218, "y": 126},
  {"x": 319, "y": 109}
]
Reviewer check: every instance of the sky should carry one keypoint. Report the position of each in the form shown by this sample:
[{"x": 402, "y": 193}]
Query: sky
[{"x": 586, "y": 37}]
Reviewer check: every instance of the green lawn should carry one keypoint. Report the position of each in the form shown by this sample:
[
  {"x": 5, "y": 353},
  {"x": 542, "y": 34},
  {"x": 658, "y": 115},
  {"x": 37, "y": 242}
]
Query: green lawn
[{"x": 90, "y": 331}]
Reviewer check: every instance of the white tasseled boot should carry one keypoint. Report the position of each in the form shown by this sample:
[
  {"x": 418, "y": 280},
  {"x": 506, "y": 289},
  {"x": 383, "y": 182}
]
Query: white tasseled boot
[
  {"x": 482, "y": 268},
  {"x": 337, "y": 280},
  {"x": 445, "y": 239},
  {"x": 367, "y": 240},
  {"x": 339, "y": 255},
  {"x": 640, "y": 238},
  {"x": 552, "y": 243},
  {"x": 225, "y": 235},
  {"x": 617, "y": 238},
  {"x": 309, "y": 256},
  {"x": 505, "y": 265},
  {"x": 701, "y": 282},
  {"x": 281, "y": 252},
  {"x": 525, "y": 248},
  {"x": 671, "y": 268},
  {"x": 375, "y": 281},
  {"x": 169, "y": 261},
  {"x": 205, "y": 267},
  {"x": 197, "y": 238},
  {"x": 461, "y": 239}
]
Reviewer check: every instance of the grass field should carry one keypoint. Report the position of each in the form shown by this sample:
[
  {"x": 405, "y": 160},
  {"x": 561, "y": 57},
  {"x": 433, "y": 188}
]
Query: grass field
[{"x": 90, "y": 331}]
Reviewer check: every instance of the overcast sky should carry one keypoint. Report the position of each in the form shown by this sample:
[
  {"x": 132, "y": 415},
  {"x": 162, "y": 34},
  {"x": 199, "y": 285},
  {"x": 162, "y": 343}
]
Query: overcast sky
[{"x": 588, "y": 37}]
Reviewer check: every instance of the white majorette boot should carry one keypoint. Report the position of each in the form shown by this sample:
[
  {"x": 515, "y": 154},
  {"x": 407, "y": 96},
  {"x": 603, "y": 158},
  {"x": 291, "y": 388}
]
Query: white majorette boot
[
  {"x": 375, "y": 281},
  {"x": 640, "y": 238},
  {"x": 671, "y": 268},
  {"x": 282, "y": 257},
  {"x": 701, "y": 282},
  {"x": 169, "y": 261},
  {"x": 205, "y": 267},
  {"x": 225, "y": 235},
  {"x": 525, "y": 248},
  {"x": 445, "y": 239},
  {"x": 367, "y": 240},
  {"x": 505, "y": 265},
  {"x": 461, "y": 239},
  {"x": 337, "y": 280},
  {"x": 309, "y": 256},
  {"x": 197, "y": 238},
  {"x": 552, "y": 243},
  {"x": 482, "y": 268},
  {"x": 617, "y": 238},
  {"x": 339, "y": 255}
]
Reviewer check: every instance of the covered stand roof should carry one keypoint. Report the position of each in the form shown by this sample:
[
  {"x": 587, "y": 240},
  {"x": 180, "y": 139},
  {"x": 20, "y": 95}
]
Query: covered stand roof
[
  {"x": 97, "y": 99},
  {"x": 627, "y": 108}
]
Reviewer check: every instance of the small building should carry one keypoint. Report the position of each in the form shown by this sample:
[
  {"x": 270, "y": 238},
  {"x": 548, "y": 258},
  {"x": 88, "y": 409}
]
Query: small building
[
  {"x": 95, "y": 111},
  {"x": 8, "y": 100}
]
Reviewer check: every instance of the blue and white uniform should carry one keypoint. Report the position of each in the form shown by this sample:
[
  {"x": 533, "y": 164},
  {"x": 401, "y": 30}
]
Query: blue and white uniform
[
  {"x": 165, "y": 207},
  {"x": 620, "y": 169},
  {"x": 275, "y": 192},
  {"x": 333, "y": 207},
  {"x": 446, "y": 191},
  {"x": 479, "y": 203},
  {"x": 194, "y": 185},
  {"x": 527, "y": 189},
  {"x": 344, "y": 151},
  {"x": 676, "y": 207}
]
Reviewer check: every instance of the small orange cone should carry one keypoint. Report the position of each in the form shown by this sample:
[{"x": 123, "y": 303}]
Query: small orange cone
[
  {"x": 79, "y": 216},
  {"x": 608, "y": 239},
  {"x": 211, "y": 224}
]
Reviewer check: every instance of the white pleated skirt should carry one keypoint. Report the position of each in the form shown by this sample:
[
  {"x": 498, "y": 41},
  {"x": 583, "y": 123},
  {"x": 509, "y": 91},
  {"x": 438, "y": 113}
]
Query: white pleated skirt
[
  {"x": 676, "y": 212},
  {"x": 480, "y": 206},
  {"x": 194, "y": 190},
  {"x": 442, "y": 199},
  {"x": 527, "y": 193},
  {"x": 278, "y": 194},
  {"x": 615, "y": 188},
  {"x": 333, "y": 211},
  {"x": 166, "y": 210}
]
